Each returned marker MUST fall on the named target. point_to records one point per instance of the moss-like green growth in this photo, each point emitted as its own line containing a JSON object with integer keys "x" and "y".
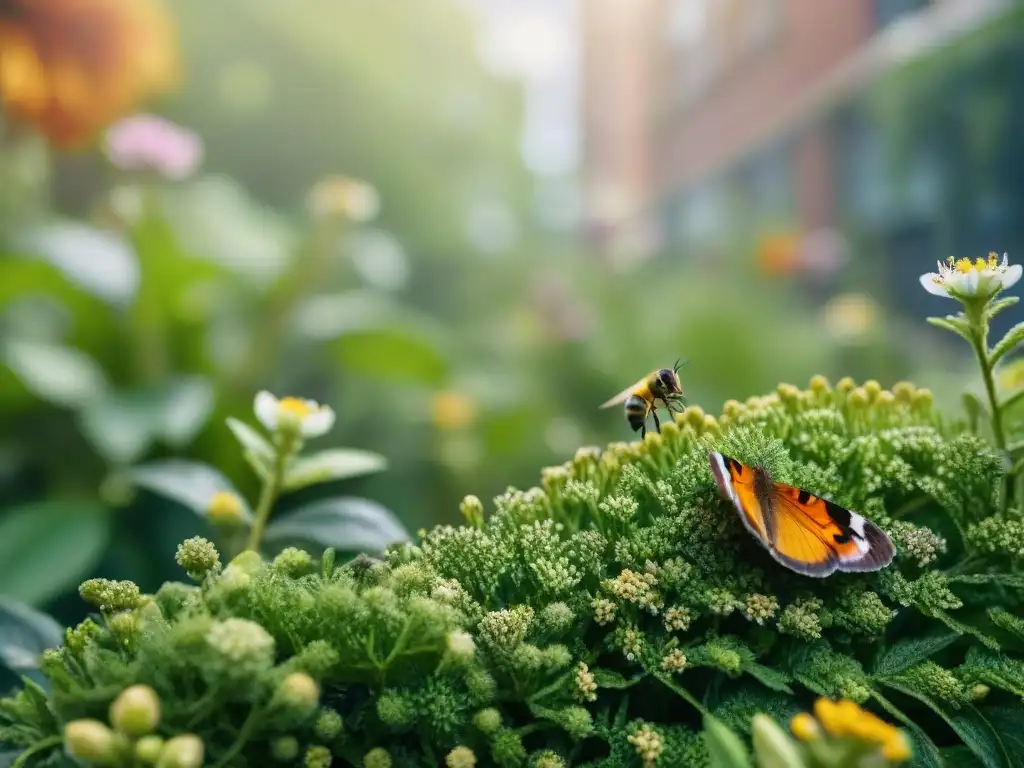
{"x": 595, "y": 619}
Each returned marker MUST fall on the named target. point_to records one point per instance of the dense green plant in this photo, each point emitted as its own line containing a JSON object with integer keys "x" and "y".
{"x": 595, "y": 619}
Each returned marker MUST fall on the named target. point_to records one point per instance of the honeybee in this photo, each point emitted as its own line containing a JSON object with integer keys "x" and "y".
{"x": 641, "y": 398}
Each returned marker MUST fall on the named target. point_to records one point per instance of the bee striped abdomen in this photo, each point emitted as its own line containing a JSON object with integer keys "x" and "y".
{"x": 636, "y": 411}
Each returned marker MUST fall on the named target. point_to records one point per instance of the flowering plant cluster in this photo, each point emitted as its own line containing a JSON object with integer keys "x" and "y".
{"x": 617, "y": 614}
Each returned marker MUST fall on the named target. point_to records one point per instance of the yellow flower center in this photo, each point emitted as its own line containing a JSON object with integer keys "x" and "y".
{"x": 978, "y": 265}
{"x": 804, "y": 727}
{"x": 294, "y": 406}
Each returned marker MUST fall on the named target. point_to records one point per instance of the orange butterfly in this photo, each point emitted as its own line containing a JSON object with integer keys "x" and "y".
{"x": 804, "y": 532}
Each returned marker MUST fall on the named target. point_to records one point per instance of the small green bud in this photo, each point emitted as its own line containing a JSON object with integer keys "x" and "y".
{"x": 711, "y": 424}
{"x": 460, "y": 645}
{"x": 233, "y": 579}
{"x": 136, "y": 711}
{"x": 819, "y": 384}
{"x": 395, "y": 708}
{"x": 923, "y": 398}
{"x": 110, "y": 595}
{"x": 249, "y": 562}
{"x": 185, "y": 751}
{"x": 328, "y": 725}
{"x": 225, "y": 510}
{"x": 548, "y": 759}
{"x": 845, "y": 384}
{"x": 885, "y": 398}
{"x": 473, "y": 510}
{"x": 317, "y": 756}
{"x": 241, "y": 641}
{"x": 460, "y": 757}
{"x": 377, "y": 757}
{"x": 872, "y": 387}
{"x": 92, "y": 741}
{"x": 285, "y": 749}
{"x": 859, "y": 398}
{"x": 979, "y": 691}
{"x": 293, "y": 562}
{"x": 507, "y": 748}
{"x": 557, "y": 617}
{"x": 487, "y": 720}
{"x": 774, "y": 747}
{"x": 148, "y": 749}
{"x": 198, "y": 557}
{"x": 299, "y": 692}
{"x": 124, "y": 626}
{"x": 904, "y": 391}
{"x": 788, "y": 393}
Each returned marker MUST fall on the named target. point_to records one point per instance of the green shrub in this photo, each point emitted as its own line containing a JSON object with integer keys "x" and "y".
{"x": 593, "y": 620}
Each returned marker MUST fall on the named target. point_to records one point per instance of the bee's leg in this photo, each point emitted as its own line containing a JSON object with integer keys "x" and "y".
{"x": 643, "y": 431}
{"x": 657, "y": 423}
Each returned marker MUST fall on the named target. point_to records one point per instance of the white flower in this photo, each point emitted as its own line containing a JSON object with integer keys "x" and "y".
{"x": 460, "y": 644}
{"x": 293, "y": 415}
{"x": 963, "y": 277}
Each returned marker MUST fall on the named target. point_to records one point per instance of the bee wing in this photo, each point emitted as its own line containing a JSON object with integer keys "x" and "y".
{"x": 621, "y": 397}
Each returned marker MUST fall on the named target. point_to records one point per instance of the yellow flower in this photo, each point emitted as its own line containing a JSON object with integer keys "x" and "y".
{"x": 71, "y": 67}
{"x": 845, "y": 719}
{"x": 804, "y": 727}
{"x": 225, "y": 508}
{"x": 452, "y": 411}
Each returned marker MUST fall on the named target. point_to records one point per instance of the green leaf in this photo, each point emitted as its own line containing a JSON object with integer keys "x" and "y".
{"x": 392, "y": 355}
{"x": 1009, "y": 724}
{"x": 96, "y": 260}
{"x": 926, "y": 753}
{"x": 768, "y": 677}
{"x": 957, "y": 325}
{"x": 1007, "y": 622}
{"x": 606, "y": 678}
{"x": 969, "y": 724}
{"x": 997, "y": 306}
{"x": 60, "y": 375}
{"x": 333, "y": 464}
{"x": 1008, "y": 343}
{"x": 725, "y": 749}
{"x": 186, "y": 408}
{"x": 773, "y": 747}
{"x": 906, "y": 653}
{"x": 1012, "y": 580}
{"x": 1012, "y": 400}
{"x": 189, "y": 483}
{"x": 257, "y": 451}
{"x": 47, "y": 547}
{"x": 24, "y": 634}
{"x": 346, "y": 523}
{"x": 965, "y": 629}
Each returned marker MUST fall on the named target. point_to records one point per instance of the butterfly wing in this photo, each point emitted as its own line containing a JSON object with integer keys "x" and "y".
{"x": 621, "y": 397}
{"x": 804, "y": 532}
{"x": 855, "y": 543}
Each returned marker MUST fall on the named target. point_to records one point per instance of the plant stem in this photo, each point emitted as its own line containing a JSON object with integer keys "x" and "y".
{"x": 271, "y": 488}
{"x": 979, "y": 342}
{"x": 35, "y": 749}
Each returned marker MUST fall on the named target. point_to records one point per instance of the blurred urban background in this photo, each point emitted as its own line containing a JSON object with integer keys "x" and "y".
{"x": 464, "y": 224}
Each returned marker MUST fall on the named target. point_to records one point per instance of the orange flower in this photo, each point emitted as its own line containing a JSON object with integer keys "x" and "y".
{"x": 71, "y": 67}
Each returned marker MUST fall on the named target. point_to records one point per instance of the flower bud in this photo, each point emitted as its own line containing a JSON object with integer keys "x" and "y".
{"x": 979, "y": 691}
{"x": 136, "y": 711}
{"x": 198, "y": 557}
{"x": 922, "y": 398}
{"x": 328, "y": 725}
{"x": 233, "y": 579}
{"x": 225, "y": 510}
{"x": 185, "y": 751}
{"x": 804, "y": 727}
{"x": 460, "y": 757}
{"x": 872, "y": 387}
{"x": 711, "y": 424}
{"x": 248, "y": 562}
{"x": 695, "y": 416}
{"x": 148, "y": 749}
{"x": 317, "y": 756}
{"x": 788, "y": 393}
{"x": 473, "y": 510}
{"x": 819, "y": 384}
{"x": 92, "y": 741}
{"x": 845, "y": 384}
{"x": 487, "y": 720}
{"x": 859, "y": 398}
{"x": 299, "y": 692}
{"x": 293, "y": 562}
{"x": 377, "y": 757}
{"x": 110, "y": 595}
{"x": 285, "y": 749}
{"x": 124, "y": 626}
{"x": 773, "y": 746}
{"x": 460, "y": 645}
{"x": 904, "y": 391}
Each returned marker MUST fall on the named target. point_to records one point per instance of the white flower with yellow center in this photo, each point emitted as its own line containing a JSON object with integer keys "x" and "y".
{"x": 293, "y": 415}
{"x": 969, "y": 279}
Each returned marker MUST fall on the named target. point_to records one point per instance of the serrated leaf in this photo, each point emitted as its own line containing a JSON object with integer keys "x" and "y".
{"x": 189, "y": 483}
{"x": 258, "y": 452}
{"x": 332, "y": 464}
{"x": 973, "y": 729}
{"x": 768, "y": 677}
{"x": 974, "y": 408}
{"x": 965, "y": 629}
{"x": 996, "y": 670}
{"x": 1008, "y": 343}
{"x": 906, "y": 653}
{"x": 606, "y": 678}
{"x": 345, "y": 523}
{"x": 47, "y": 547}
{"x": 1012, "y": 580}
{"x": 1007, "y": 622}
{"x": 954, "y": 324}
{"x": 1009, "y": 724}
{"x": 57, "y": 374}
{"x": 725, "y": 749}
{"x": 24, "y": 634}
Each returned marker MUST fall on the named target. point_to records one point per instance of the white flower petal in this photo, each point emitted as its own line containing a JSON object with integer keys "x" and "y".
{"x": 319, "y": 422}
{"x": 928, "y": 282}
{"x": 1012, "y": 274}
{"x": 265, "y": 408}
{"x": 1005, "y": 262}
{"x": 969, "y": 284}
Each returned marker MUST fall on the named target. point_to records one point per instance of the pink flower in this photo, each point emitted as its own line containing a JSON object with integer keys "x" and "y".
{"x": 149, "y": 142}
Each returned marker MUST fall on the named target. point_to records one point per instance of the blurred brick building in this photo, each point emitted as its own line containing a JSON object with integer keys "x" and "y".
{"x": 697, "y": 114}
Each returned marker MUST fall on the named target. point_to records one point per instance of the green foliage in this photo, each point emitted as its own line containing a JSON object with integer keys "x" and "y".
{"x": 597, "y": 619}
